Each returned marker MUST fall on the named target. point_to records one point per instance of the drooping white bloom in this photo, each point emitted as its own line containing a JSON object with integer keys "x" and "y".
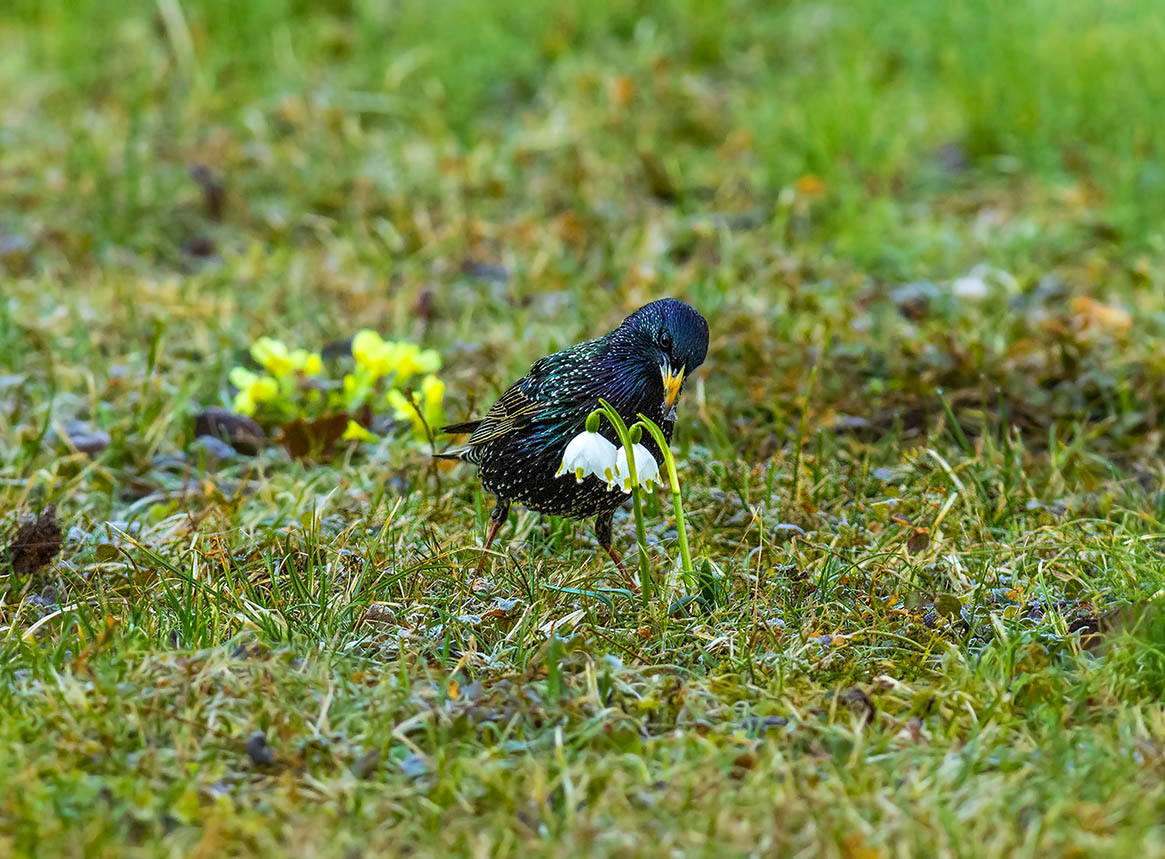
{"x": 646, "y": 468}
{"x": 589, "y": 453}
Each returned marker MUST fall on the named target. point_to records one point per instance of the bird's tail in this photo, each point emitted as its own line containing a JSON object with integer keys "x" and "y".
{"x": 464, "y": 453}
{"x": 460, "y": 429}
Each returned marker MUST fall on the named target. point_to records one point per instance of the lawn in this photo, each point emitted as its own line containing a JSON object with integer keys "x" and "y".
{"x": 921, "y": 466}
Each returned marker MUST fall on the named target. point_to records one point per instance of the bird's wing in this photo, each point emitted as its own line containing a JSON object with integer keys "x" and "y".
{"x": 517, "y": 407}
{"x": 561, "y": 389}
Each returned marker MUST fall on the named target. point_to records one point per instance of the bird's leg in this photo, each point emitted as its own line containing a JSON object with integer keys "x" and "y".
{"x": 497, "y": 519}
{"x": 603, "y": 532}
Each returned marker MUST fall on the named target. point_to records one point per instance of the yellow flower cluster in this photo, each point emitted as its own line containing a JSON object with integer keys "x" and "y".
{"x": 399, "y": 359}
{"x": 281, "y": 364}
{"x": 278, "y": 391}
{"x": 253, "y": 390}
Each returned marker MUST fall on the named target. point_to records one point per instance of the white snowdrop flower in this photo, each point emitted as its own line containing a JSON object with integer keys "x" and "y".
{"x": 646, "y": 468}
{"x": 589, "y": 453}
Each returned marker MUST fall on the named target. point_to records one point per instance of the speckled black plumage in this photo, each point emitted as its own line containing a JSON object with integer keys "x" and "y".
{"x": 519, "y": 443}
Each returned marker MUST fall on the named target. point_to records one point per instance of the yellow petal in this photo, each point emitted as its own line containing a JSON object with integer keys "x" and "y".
{"x": 242, "y": 378}
{"x": 272, "y": 355}
{"x": 367, "y": 347}
{"x": 402, "y": 410}
{"x": 404, "y": 361}
{"x": 244, "y": 404}
{"x": 355, "y": 432}
{"x": 264, "y": 390}
{"x": 433, "y": 390}
{"x": 428, "y": 361}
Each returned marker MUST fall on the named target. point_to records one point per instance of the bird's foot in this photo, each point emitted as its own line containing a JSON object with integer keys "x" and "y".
{"x": 618, "y": 559}
{"x": 497, "y": 519}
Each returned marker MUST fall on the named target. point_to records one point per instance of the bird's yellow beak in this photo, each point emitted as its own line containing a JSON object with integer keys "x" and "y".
{"x": 673, "y": 380}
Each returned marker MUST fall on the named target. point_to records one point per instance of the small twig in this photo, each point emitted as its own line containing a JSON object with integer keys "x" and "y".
{"x": 410, "y": 395}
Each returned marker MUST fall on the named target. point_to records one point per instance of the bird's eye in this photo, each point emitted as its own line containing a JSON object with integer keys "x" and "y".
{"x": 665, "y": 339}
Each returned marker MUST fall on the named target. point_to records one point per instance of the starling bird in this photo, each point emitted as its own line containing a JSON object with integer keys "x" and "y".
{"x": 639, "y": 367}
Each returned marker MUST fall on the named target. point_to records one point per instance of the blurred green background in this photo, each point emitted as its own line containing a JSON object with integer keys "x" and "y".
{"x": 894, "y": 107}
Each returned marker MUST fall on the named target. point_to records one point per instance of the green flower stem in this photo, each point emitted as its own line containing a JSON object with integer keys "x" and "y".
{"x": 645, "y": 583}
{"x": 676, "y": 496}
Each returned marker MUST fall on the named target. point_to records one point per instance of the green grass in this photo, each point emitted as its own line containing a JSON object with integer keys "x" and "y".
{"x": 911, "y": 537}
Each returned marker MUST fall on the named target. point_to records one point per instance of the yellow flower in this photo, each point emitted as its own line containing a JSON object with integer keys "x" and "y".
{"x": 275, "y": 358}
{"x": 265, "y": 390}
{"x": 272, "y": 356}
{"x": 371, "y": 352}
{"x": 355, "y": 432}
{"x": 401, "y": 359}
{"x": 308, "y": 363}
{"x": 253, "y": 390}
{"x": 427, "y": 400}
{"x": 413, "y": 361}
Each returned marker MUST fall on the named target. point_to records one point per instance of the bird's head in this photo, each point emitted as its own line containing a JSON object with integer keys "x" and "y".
{"x": 672, "y": 336}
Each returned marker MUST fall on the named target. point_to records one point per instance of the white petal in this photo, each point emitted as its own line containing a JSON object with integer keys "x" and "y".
{"x": 587, "y": 453}
{"x": 622, "y": 475}
{"x": 646, "y": 468}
